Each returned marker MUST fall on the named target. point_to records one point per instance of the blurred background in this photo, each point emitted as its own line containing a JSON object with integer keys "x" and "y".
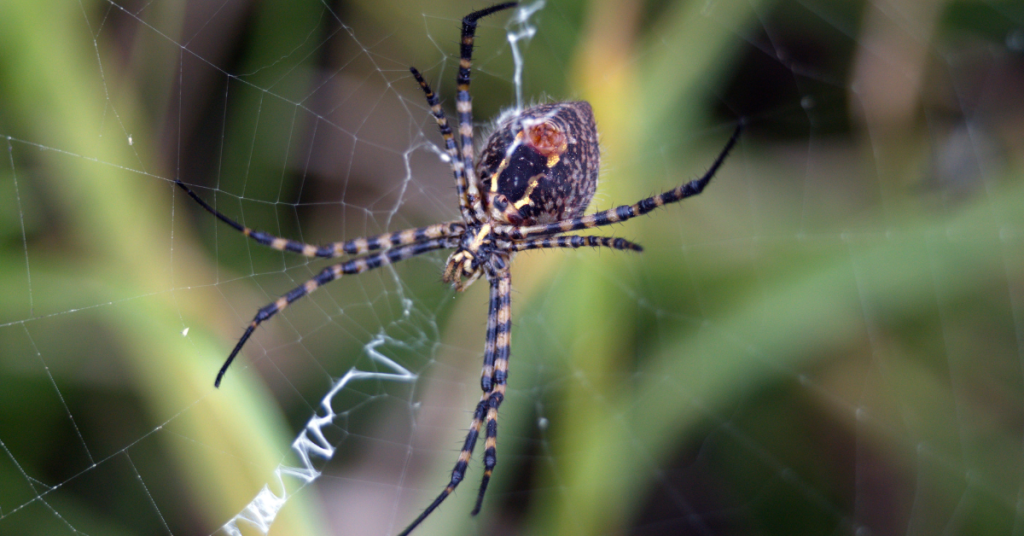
{"x": 829, "y": 340}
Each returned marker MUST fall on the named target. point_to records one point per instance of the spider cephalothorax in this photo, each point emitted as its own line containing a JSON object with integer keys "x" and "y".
{"x": 531, "y": 185}
{"x": 479, "y": 252}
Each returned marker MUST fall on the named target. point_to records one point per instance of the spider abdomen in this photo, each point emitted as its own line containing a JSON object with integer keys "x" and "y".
{"x": 540, "y": 165}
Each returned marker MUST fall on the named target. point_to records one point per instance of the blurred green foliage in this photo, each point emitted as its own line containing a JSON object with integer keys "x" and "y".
{"x": 828, "y": 339}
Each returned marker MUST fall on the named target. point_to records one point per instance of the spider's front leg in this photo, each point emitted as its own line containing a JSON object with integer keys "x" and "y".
{"x": 493, "y": 377}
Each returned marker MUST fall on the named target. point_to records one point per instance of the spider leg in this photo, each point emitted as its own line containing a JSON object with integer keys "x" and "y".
{"x": 464, "y": 104}
{"x": 335, "y": 249}
{"x": 458, "y": 166}
{"x": 496, "y": 393}
{"x": 575, "y": 241}
{"x": 460, "y": 467}
{"x": 354, "y": 266}
{"x": 495, "y": 359}
{"x": 625, "y": 212}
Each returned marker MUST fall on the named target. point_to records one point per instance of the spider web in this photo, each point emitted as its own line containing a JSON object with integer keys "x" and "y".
{"x": 829, "y": 340}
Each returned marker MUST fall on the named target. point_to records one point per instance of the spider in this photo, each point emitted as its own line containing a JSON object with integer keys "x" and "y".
{"x": 532, "y": 183}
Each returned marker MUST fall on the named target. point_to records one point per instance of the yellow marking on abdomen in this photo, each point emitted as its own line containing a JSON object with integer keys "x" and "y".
{"x": 526, "y": 200}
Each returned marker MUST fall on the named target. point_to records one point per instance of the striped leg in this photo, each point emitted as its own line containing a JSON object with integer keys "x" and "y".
{"x": 497, "y": 335}
{"x": 458, "y": 167}
{"x": 625, "y": 212}
{"x": 336, "y": 249}
{"x": 459, "y": 472}
{"x": 464, "y": 104}
{"x": 503, "y": 344}
{"x": 575, "y": 241}
{"x": 354, "y": 266}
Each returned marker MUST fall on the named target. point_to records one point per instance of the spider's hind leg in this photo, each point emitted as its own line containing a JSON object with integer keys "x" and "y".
{"x": 464, "y": 104}
{"x": 458, "y": 167}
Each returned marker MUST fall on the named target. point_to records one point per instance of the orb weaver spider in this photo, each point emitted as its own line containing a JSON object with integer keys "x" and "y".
{"x": 534, "y": 179}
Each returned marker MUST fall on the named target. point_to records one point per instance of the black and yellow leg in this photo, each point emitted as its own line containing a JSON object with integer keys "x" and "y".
{"x": 336, "y": 249}
{"x": 464, "y": 104}
{"x": 503, "y": 345}
{"x": 459, "y": 472}
{"x": 493, "y": 358}
{"x": 625, "y": 212}
{"x": 458, "y": 167}
{"x": 354, "y": 266}
{"x": 575, "y": 241}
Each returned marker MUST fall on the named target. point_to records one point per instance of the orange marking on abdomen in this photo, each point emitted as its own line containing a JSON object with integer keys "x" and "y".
{"x": 547, "y": 139}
